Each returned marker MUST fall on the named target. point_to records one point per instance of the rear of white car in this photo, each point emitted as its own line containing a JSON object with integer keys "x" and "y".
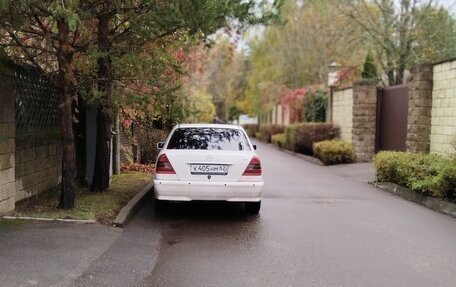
{"x": 209, "y": 162}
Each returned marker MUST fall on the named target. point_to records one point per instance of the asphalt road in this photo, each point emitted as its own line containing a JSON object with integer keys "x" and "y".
{"x": 318, "y": 226}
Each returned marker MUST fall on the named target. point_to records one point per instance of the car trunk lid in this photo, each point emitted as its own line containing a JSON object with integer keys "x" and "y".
{"x": 204, "y": 165}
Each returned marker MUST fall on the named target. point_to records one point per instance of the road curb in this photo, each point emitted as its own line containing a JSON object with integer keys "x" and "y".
{"x": 64, "y": 220}
{"x": 307, "y": 158}
{"x": 435, "y": 204}
{"x": 132, "y": 206}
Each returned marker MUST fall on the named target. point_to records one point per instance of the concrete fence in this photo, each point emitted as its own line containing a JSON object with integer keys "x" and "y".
{"x": 30, "y": 161}
{"x": 278, "y": 115}
{"x": 431, "y": 120}
{"x": 7, "y": 144}
{"x": 343, "y": 112}
{"x": 355, "y": 111}
{"x": 443, "y": 112}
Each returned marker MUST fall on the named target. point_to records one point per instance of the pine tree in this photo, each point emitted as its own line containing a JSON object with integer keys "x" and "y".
{"x": 369, "y": 69}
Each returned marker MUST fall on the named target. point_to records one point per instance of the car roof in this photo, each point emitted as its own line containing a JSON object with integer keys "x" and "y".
{"x": 221, "y": 126}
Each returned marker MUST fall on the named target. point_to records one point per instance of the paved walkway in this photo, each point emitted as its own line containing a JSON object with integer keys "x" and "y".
{"x": 50, "y": 254}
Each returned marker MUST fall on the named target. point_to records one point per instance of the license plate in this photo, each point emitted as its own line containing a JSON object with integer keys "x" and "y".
{"x": 209, "y": 169}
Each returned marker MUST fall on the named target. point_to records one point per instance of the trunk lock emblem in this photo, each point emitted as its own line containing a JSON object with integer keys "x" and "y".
{"x": 208, "y": 177}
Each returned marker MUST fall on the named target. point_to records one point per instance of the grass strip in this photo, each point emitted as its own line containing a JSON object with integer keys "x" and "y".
{"x": 102, "y": 207}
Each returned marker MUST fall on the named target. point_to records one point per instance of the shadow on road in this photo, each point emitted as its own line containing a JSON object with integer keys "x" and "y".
{"x": 205, "y": 211}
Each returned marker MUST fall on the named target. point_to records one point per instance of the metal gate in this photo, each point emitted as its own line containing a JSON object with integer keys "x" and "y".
{"x": 392, "y": 112}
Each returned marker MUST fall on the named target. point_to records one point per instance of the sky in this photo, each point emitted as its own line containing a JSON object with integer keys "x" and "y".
{"x": 450, "y": 5}
{"x": 242, "y": 41}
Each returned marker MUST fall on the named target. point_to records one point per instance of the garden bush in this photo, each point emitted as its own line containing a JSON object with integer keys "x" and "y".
{"x": 278, "y": 140}
{"x": 334, "y": 152}
{"x": 315, "y": 105}
{"x": 251, "y": 129}
{"x": 267, "y": 131}
{"x": 301, "y": 137}
{"x": 444, "y": 184}
{"x": 428, "y": 174}
{"x": 291, "y": 136}
{"x": 148, "y": 139}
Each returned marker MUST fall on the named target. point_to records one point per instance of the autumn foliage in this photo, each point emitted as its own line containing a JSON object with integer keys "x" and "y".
{"x": 294, "y": 102}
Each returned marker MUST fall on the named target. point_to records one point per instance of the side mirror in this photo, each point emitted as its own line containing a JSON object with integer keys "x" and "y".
{"x": 160, "y": 145}
{"x": 254, "y": 146}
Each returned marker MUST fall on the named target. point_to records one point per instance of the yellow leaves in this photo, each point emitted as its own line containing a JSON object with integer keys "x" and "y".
{"x": 201, "y": 108}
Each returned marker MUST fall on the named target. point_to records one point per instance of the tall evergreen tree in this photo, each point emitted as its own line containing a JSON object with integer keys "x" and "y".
{"x": 369, "y": 68}
{"x": 124, "y": 27}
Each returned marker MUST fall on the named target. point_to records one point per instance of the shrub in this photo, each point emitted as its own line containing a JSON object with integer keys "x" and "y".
{"x": 251, "y": 129}
{"x": 301, "y": 137}
{"x": 311, "y": 133}
{"x": 334, "y": 152}
{"x": 278, "y": 140}
{"x": 315, "y": 105}
{"x": 267, "y": 131}
{"x": 444, "y": 184}
{"x": 291, "y": 136}
{"x": 429, "y": 174}
{"x": 148, "y": 139}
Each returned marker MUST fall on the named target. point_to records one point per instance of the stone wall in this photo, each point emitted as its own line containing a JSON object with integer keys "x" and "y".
{"x": 343, "y": 112}
{"x": 443, "y": 122}
{"x": 419, "y": 109}
{"x": 364, "y": 119}
{"x": 355, "y": 111}
{"x": 38, "y": 163}
{"x": 7, "y": 144}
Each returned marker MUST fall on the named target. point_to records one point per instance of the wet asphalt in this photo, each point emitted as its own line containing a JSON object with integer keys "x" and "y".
{"x": 318, "y": 226}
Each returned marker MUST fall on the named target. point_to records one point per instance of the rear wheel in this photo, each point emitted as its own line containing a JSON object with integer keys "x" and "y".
{"x": 252, "y": 207}
{"x": 160, "y": 205}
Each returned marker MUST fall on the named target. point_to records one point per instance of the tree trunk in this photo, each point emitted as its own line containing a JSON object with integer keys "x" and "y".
{"x": 100, "y": 180}
{"x": 390, "y": 67}
{"x": 64, "y": 84}
{"x": 80, "y": 140}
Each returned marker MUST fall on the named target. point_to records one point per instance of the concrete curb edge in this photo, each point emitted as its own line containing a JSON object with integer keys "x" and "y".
{"x": 132, "y": 206}
{"x": 435, "y": 204}
{"x": 307, "y": 158}
{"x": 64, "y": 220}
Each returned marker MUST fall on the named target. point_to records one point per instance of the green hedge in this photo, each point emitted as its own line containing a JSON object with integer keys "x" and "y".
{"x": 301, "y": 137}
{"x": 278, "y": 140}
{"x": 291, "y": 136}
{"x": 429, "y": 174}
{"x": 251, "y": 129}
{"x": 334, "y": 152}
{"x": 315, "y": 105}
{"x": 267, "y": 131}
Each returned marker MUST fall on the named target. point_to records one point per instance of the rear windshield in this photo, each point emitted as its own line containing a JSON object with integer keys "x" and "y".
{"x": 208, "y": 139}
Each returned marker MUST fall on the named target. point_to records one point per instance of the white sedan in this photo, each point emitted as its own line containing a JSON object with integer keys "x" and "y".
{"x": 208, "y": 162}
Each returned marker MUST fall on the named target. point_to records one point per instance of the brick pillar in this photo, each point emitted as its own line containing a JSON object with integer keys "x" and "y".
{"x": 7, "y": 142}
{"x": 419, "y": 110}
{"x": 364, "y": 119}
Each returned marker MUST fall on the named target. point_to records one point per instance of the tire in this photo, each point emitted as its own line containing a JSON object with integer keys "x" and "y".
{"x": 252, "y": 207}
{"x": 160, "y": 205}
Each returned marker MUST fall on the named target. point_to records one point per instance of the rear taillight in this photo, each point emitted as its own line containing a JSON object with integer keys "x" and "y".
{"x": 254, "y": 167}
{"x": 164, "y": 165}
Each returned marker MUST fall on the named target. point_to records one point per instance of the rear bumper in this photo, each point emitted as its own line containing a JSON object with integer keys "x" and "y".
{"x": 175, "y": 190}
